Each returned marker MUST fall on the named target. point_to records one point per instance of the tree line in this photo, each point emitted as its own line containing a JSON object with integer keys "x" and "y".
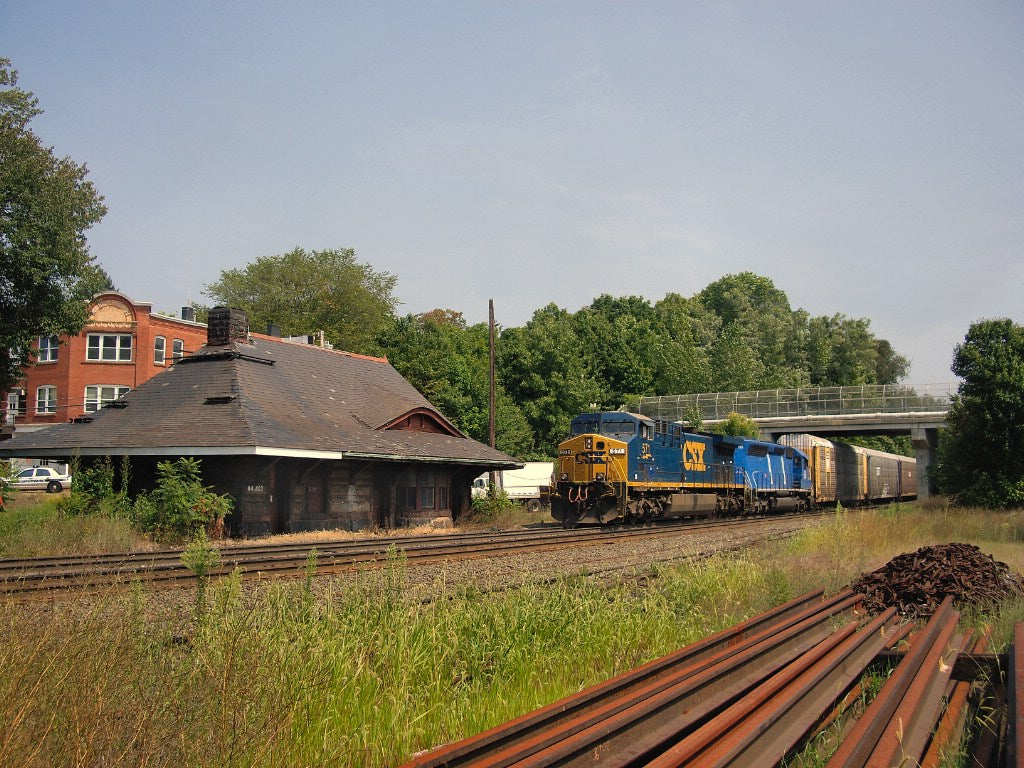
{"x": 738, "y": 333}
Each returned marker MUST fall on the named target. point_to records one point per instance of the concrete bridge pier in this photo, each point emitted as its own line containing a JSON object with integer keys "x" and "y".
{"x": 925, "y": 441}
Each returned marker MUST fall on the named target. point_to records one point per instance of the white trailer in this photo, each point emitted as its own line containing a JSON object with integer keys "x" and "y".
{"x": 530, "y": 485}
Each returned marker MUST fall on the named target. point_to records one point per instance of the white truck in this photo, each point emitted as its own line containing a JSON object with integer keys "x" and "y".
{"x": 530, "y": 485}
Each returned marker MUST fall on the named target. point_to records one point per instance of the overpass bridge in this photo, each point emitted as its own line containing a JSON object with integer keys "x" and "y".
{"x": 869, "y": 409}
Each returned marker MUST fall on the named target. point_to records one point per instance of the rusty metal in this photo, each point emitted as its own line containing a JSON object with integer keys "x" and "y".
{"x": 1015, "y": 699}
{"x": 887, "y": 728}
{"x": 754, "y": 694}
{"x": 915, "y": 583}
{"x": 951, "y": 726}
{"x": 763, "y": 726}
{"x": 724, "y": 665}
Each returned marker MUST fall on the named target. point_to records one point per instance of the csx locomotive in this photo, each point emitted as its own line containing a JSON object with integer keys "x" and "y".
{"x": 624, "y": 467}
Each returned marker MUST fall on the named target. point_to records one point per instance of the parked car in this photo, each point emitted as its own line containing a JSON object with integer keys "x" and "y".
{"x": 39, "y": 479}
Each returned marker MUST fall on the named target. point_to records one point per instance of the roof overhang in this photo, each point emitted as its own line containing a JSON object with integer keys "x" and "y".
{"x": 249, "y": 450}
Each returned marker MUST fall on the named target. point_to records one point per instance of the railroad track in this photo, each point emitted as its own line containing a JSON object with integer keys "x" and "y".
{"x": 42, "y": 575}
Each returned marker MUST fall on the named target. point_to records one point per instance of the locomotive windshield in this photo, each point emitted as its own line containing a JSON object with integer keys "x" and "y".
{"x": 584, "y": 426}
{"x": 618, "y": 428}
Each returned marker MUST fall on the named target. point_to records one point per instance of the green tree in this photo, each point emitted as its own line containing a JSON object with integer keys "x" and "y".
{"x": 448, "y": 362}
{"x": 737, "y": 425}
{"x": 544, "y": 369}
{"x": 307, "y": 292}
{"x": 982, "y": 451}
{"x": 757, "y": 315}
{"x": 46, "y": 205}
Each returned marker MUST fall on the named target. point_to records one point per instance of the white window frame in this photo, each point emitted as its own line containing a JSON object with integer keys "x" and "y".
{"x": 160, "y": 350}
{"x": 177, "y": 349}
{"x": 109, "y": 347}
{"x": 49, "y": 347}
{"x": 46, "y": 400}
{"x": 99, "y": 395}
{"x": 14, "y": 406}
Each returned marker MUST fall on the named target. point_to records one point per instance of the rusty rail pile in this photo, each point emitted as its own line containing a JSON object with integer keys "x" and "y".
{"x": 917, "y": 582}
{"x": 767, "y": 688}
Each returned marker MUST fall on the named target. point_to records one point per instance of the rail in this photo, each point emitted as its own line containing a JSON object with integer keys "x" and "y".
{"x": 803, "y": 401}
{"x": 767, "y": 688}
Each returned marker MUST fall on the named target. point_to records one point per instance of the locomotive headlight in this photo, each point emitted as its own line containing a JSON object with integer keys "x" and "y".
{"x": 588, "y": 443}
{"x": 564, "y": 476}
{"x": 599, "y": 476}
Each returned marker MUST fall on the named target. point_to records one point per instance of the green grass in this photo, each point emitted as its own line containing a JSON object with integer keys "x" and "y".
{"x": 364, "y": 673}
{"x": 32, "y": 526}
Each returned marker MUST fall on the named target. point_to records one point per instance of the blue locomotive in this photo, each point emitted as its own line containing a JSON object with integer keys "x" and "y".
{"x": 623, "y": 467}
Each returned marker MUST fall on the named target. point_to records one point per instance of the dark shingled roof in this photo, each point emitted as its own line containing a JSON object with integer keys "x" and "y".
{"x": 270, "y": 397}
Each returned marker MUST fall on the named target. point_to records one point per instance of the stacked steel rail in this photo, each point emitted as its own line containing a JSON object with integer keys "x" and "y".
{"x": 752, "y": 695}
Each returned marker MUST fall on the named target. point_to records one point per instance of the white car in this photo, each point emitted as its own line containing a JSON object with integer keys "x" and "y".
{"x": 41, "y": 478}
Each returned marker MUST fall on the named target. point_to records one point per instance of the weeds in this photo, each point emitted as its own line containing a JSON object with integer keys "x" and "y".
{"x": 362, "y": 672}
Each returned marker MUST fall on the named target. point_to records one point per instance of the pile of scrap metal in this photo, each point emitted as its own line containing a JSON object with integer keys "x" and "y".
{"x": 916, "y": 583}
{"x": 786, "y": 682}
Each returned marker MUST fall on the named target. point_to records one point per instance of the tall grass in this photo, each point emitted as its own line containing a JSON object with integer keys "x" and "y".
{"x": 31, "y": 525}
{"x": 363, "y": 672}
{"x": 362, "y": 675}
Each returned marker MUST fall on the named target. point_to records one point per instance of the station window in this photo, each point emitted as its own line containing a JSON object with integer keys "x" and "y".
{"x": 426, "y": 489}
{"x": 99, "y": 395}
{"x": 111, "y": 347}
{"x": 159, "y": 350}
{"x": 46, "y": 400}
{"x": 48, "y": 346}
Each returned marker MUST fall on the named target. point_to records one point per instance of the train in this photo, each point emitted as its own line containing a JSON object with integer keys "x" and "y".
{"x": 620, "y": 467}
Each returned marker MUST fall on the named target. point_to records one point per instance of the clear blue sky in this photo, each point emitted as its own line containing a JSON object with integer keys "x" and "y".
{"x": 868, "y": 157}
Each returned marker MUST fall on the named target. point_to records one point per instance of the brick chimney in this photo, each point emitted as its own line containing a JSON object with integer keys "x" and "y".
{"x": 226, "y": 325}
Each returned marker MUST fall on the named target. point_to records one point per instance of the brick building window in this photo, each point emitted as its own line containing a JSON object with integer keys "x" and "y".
{"x": 178, "y": 349}
{"x": 99, "y": 395}
{"x": 16, "y": 406}
{"x": 46, "y": 400}
{"x": 159, "y": 350}
{"x": 110, "y": 347}
{"x": 48, "y": 349}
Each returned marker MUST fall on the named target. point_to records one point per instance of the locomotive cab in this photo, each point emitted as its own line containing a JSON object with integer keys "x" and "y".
{"x": 593, "y": 466}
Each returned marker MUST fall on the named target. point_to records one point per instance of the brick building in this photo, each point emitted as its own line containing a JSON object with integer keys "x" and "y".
{"x": 301, "y": 437}
{"x": 123, "y": 345}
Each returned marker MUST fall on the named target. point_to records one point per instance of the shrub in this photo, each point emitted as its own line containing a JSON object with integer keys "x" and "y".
{"x": 180, "y": 507}
{"x": 491, "y": 504}
{"x": 93, "y": 488}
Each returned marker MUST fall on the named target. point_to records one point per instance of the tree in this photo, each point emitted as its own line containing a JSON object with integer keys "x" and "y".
{"x": 737, "y": 425}
{"x": 448, "y": 362}
{"x": 543, "y": 368}
{"x": 307, "y": 292}
{"x": 47, "y": 275}
{"x": 981, "y": 458}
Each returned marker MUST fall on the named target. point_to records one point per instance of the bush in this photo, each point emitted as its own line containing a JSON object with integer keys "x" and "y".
{"x": 93, "y": 489}
{"x": 491, "y": 504}
{"x": 180, "y": 507}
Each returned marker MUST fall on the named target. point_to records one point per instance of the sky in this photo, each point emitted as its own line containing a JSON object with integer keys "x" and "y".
{"x": 867, "y": 157}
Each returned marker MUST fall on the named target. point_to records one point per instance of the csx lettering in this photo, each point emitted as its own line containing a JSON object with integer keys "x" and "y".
{"x": 693, "y": 456}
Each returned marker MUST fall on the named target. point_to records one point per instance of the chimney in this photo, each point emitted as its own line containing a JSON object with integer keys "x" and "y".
{"x": 273, "y": 329}
{"x": 188, "y": 313}
{"x": 226, "y": 325}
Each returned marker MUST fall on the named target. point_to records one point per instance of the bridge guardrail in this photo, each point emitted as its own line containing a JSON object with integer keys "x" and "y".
{"x": 803, "y": 401}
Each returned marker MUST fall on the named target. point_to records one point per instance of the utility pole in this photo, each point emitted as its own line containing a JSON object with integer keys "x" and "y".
{"x": 490, "y": 410}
